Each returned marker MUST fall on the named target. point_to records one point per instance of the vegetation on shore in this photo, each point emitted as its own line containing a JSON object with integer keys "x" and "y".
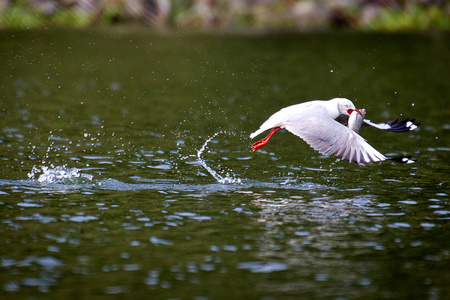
{"x": 302, "y": 15}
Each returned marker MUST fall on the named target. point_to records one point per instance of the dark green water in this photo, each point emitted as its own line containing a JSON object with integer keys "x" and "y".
{"x": 141, "y": 216}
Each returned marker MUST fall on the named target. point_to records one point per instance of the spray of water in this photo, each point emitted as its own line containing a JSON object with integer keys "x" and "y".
{"x": 60, "y": 174}
{"x": 228, "y": 179}
{"x": 49, "y": 173}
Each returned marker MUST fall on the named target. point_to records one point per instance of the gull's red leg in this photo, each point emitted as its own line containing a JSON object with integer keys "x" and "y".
{"x": 259, "y": 144}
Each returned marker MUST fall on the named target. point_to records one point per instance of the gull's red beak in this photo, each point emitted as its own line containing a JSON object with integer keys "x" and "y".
{"x": 351, "y": 110}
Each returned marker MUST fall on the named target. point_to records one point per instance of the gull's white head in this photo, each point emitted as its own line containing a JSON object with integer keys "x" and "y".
{"x": 345, "y": 106}
{"x": 339, "y": 106}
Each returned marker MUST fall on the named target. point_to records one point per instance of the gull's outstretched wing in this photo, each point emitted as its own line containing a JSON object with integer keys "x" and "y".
{"x": 328, "y": 137}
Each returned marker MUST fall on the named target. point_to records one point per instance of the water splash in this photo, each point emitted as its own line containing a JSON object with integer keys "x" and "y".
{"x": 228, "y": 179}
{"x": 60, "y": 174}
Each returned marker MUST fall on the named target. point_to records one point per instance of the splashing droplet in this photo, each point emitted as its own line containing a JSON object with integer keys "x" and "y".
{"x": 228, "y": 179}
{"x": 60, "y": 174}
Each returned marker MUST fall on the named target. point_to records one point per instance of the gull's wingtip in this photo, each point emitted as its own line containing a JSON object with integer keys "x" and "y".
{"x": 395, "y": 125}
{"x": 404, "y": 159}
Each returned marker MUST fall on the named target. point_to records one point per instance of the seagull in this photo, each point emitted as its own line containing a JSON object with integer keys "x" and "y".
{"x": 321, "y": 124}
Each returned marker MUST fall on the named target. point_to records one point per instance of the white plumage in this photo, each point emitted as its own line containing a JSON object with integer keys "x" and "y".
{"x": 315, "y": 123}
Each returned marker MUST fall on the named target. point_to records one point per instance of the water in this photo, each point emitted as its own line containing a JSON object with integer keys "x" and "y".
{"x": 221, "y": 179}
{"x": 126, "y": 167}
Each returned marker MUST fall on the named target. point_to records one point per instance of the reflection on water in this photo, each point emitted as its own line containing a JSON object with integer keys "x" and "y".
{"x": 141, "y": 183}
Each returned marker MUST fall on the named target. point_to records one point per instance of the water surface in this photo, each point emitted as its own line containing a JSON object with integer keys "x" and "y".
{"x": 126, "y": 167}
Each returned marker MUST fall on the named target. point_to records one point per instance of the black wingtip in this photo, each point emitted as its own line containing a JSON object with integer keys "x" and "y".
{"x": 402, "y": 126}
{"x": 404, "y": 159}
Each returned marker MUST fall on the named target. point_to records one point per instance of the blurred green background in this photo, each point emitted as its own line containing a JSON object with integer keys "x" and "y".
{"x": 302, "y": 15}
